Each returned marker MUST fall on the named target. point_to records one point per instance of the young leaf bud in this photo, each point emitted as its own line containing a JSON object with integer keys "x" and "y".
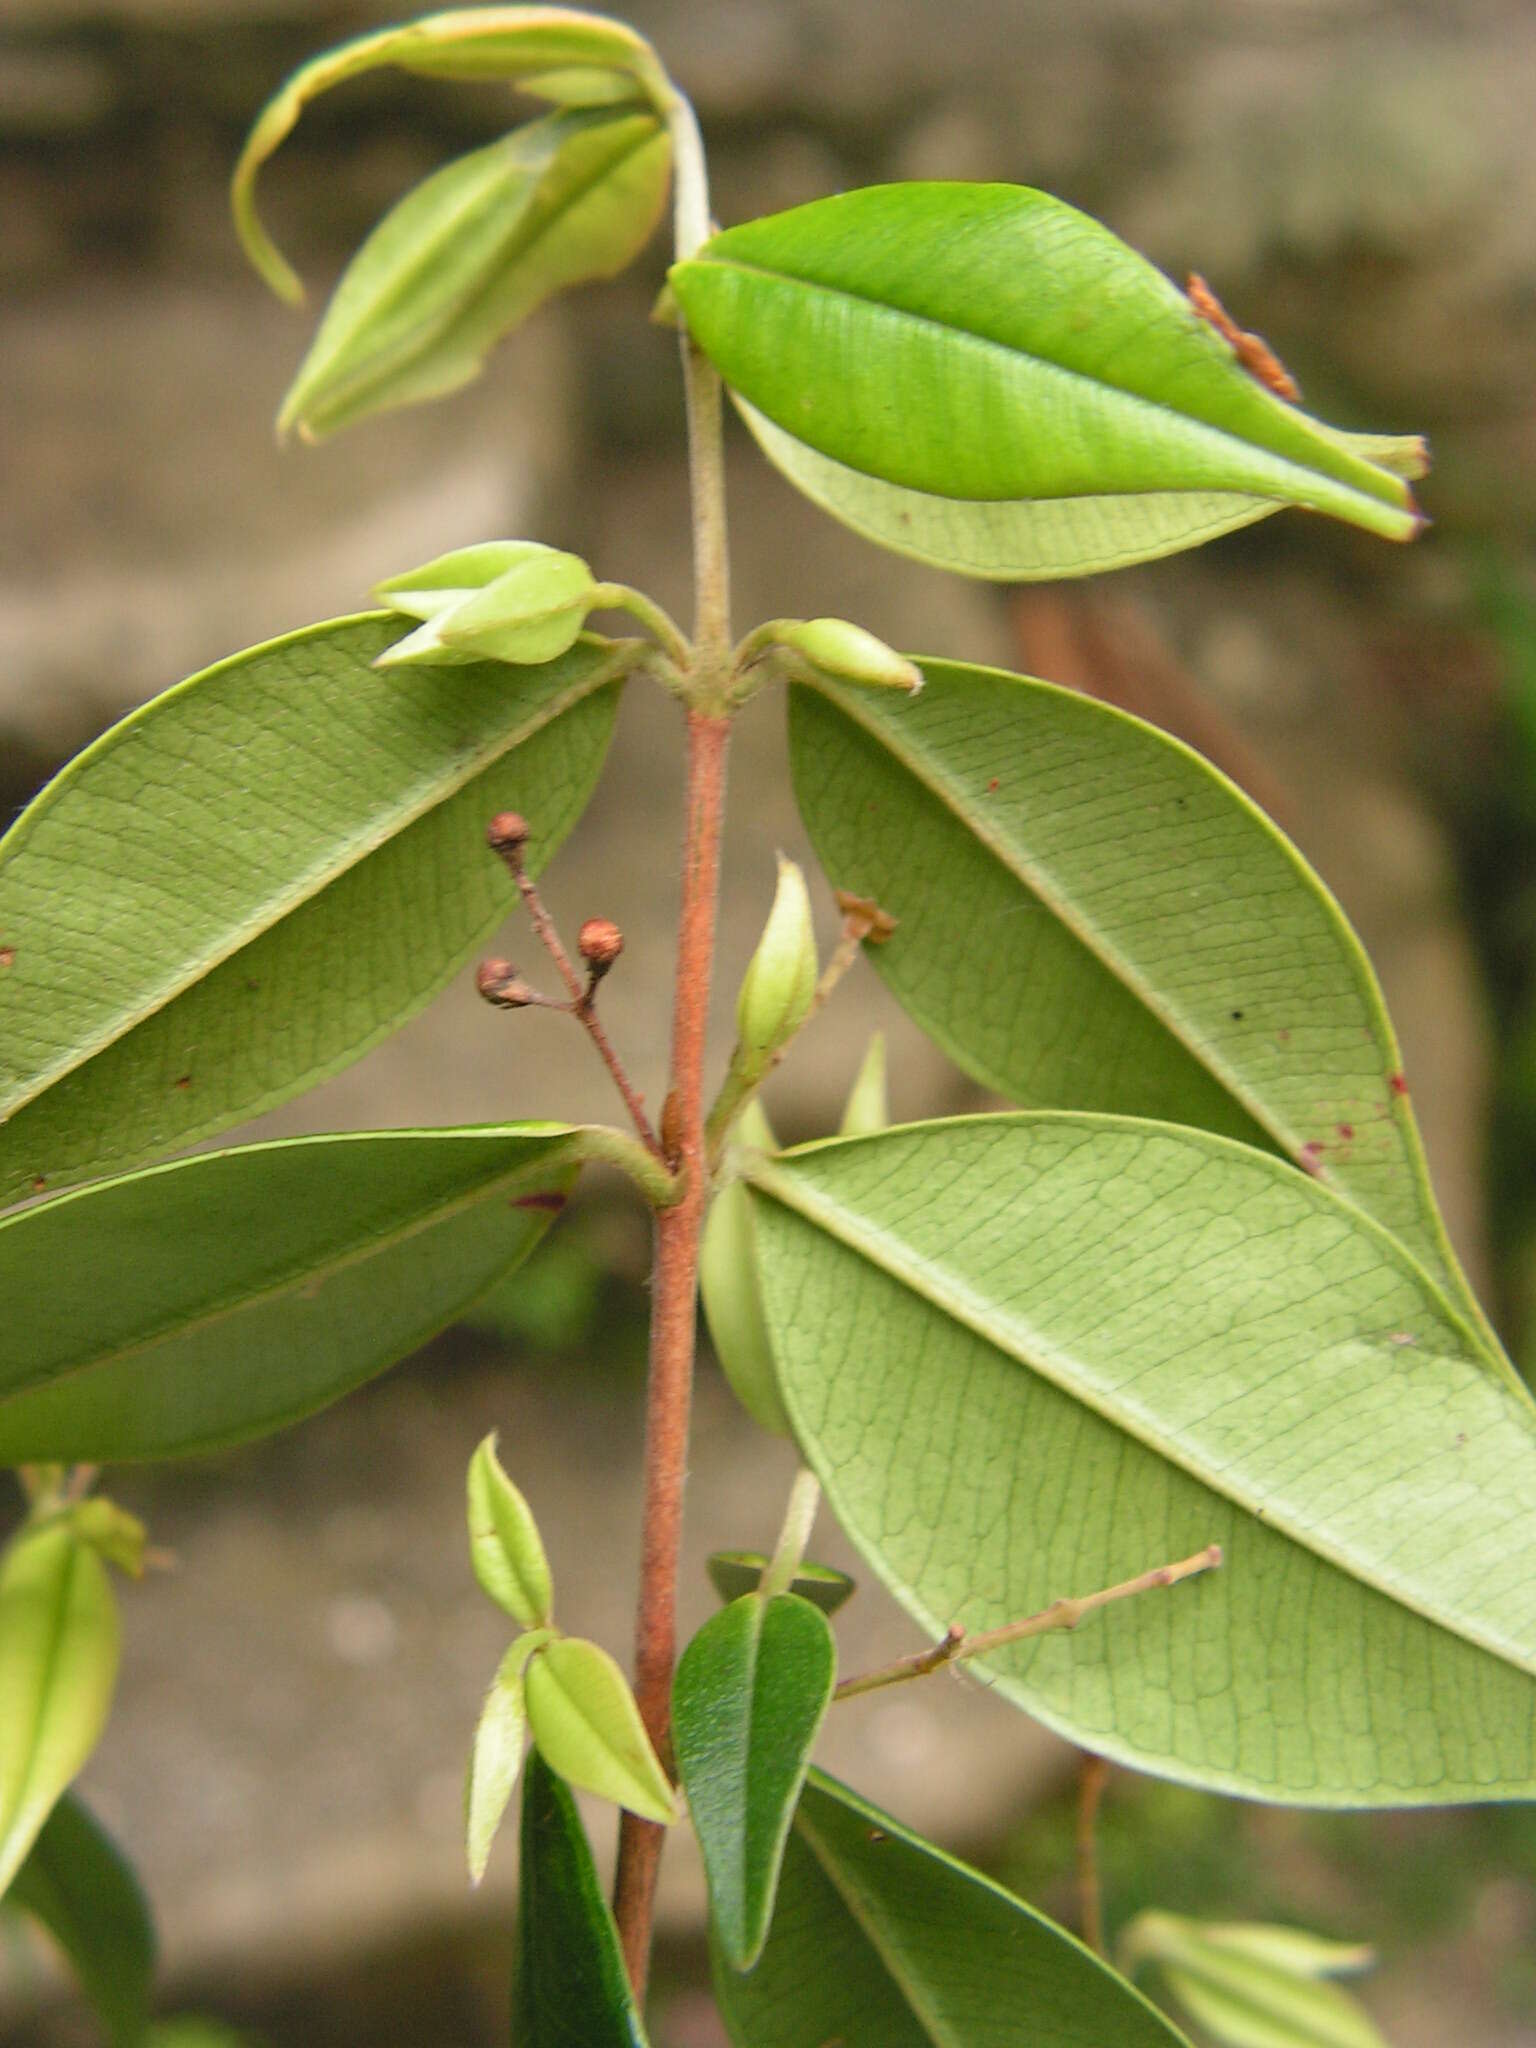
{"x": 507, "y": 833}
{"x": 733, "y": 1308}
{"x": 841, "y": 649}
{"x": 498, "y": 982}
{"x": 780, "y": 980}
{"x": 530, "y": 613}
{"x": 504, "y": 1544}
{"x": 599, "y": 942}
{"x": 437, "y": 586}
{"x": 583, "y": 1717}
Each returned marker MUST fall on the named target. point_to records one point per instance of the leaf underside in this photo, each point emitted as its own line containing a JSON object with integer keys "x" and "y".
{"x": 1034, "y": 1355}
{"x": 77, "y": 1884}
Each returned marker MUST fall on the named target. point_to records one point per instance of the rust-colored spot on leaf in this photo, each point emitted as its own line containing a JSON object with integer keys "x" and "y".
{"x": 1251, "y": 350}
{"x": 1398, "y": 1083}
{"x": 1345, "y": 1131}
{"x": 7, "y": 956}
{"x": 992, "y": 785}
{"x": 1310, "y": 1157}
{"x": 548, "y": 1198}
{"x": 182, "y": 1081}
{"x": 39, "y": 1182}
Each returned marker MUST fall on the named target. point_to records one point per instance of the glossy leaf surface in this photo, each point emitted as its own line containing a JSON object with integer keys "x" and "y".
{"x": 470, "y": 253}
{"x": 881, "y": 1940}
{"x": 260, "y": 874}
{"x": 59, "y": 1645}
{"x": 77, "y": 1884}
{"x": 748, "y": 1698}
{"x": 583, "y": 59}
{"x": 505, "y": 1547}
{"x": 584, "y": 1719}
{"x": 571, "y": 1989}
{"x": 1137, "y": 935}
{"x": 227, "y": 1295}
{"x": 1031, "y": 1356}
{"x": 987, "y": 343}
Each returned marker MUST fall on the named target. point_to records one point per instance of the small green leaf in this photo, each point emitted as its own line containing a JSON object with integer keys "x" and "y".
{"x": 571, "y": 1990}
{"x": 748, "y": 1699}
{"x": 733, "y": 1311}
{"x": 734, "y": 1572}
{"x": 497, "y": 1755}
{"x": 988, "y": 344}
{"x": 437, "y": 586}
{"x": 852, "y": 653}
{"x": 334, "y": 817}
{"x": 1096, "y": 966}
{"x": 868, "y": 1107}
{"x": 531, "y": 613}
{"x": 570, "y": 57}
{"x": 881, "y": 1940}
{"x": 470, "y": 253}
{"x": 59, "y": 1641}
{"x": 780, "y": 982}
{"x": 504, "y": 1543}
{"x": 588, "y": 1728}
{"x": 114, "y": 1534}
{"x": 1254, "y": 1987}
{"x": 227, "y": 1295}
{"x": 78, "y": 1885}
{"x": 1029, "y": 1356}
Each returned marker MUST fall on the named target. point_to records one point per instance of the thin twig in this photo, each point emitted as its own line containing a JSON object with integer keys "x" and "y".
{"x": 1061, "y": 1614}
{"x": 1092, "y": 1777}
{"x": 799, "y": 1520}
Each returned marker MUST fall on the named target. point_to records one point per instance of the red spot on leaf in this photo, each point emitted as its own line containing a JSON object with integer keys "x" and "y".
{"x": 1345, "y": 1131}
{"x": 182, "y": 1081}
{"x": 1284, "y": 1037}
{"x": 7, "y": 956}
{"x": 1310, "y": 1157}
{"x": 992, "y": 785}
{"x": 1398, "y": 1084}
{"x": 39, "y": 1182}
{"x": 550, "y": 1199}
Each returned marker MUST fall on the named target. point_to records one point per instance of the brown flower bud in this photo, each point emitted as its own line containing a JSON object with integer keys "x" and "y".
{"x": 507, "y": 833}
{"x": 498, "y": 982}
{"x": 600, "y": 942}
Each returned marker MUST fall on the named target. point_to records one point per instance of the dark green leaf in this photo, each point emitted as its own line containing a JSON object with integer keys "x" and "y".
{"x": 1137, "y": 936}
{"x": 570, "y": 57}
{"x": 749, "y": 1696}
{"x": 332, "y": 817}
{"x": 229, "y": 1294}
{"x": 987, "y": 345}
{"x": 77, "y": 1883}
{"x": 470, "y": 253}
{"x": 571, "y": 1990}
{"x": 59, "y": 1643}
{"x": 734, "y": 1572}
{"x": 1031, "y": 1356}
{"x": 881, "y": 1940}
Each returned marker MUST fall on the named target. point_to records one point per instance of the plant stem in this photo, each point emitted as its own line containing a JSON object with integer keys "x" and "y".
{"x": 1061, "y": 1614}
{"x": 1092, "y": 1777}
{"x": 674, "y": 1290}
{"x": 799, "y": 1517}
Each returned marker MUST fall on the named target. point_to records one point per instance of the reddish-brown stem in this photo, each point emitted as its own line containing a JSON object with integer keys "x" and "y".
{"x": 674, "y": 1288}
{"x": 1092, "y": 1777}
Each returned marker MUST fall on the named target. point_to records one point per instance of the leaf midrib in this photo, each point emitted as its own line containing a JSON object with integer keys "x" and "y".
{"x": 622, "y": 657}
{"x": 884, "y": 1251}
{"x": 1290, "y": 466}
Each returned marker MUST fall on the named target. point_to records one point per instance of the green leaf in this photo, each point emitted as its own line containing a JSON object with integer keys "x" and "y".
{"x": 868, "y": 1107}
{"x": 1137, "y": 935}
{"x": 468, "y": 254}
{"x": 749, "y": 1696}
{"x": 497, "y": 1754}
{"x": 333, "y": 817}
{"x": 1030, "y": 1356}
{"x": 728, "y": 1288}
{"x": 571, "y": 1989}
{"x": 78, "y": 1885}
{"x": 881, "y": 1940}
{"x": 734, "y": 1572}
{"x": 505, "y": 1547}
{"x": 227, "y": 1295}
{"x": 59, "y": 1642}
{"x": 988, "y": 344}
{"x": 588, "y": 1728}
{"x": 1255, "y": 1986}
{"x": 570, "y": 57}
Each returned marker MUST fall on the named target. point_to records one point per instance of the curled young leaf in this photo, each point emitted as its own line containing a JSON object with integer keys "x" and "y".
{"x": 504, "y": 1542}
{"x": 780, "y": 982}
{"x": 59, "y": 1642}
{"x": 987, "y": 346}
{"x": 468, "y": 254}
{"x": 852, "y": 653}
{"x": 497, "y": 1755}
{"x": 1255, "y": 1987}
{"x": 868, "y": 1107}
{"x": 728, "y": 1287}
{"x": 558, "y": 53}
{"x": 588, "y": 1728}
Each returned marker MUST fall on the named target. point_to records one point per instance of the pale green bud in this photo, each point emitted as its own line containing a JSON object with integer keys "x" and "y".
{"x": 780, "y": 981}
{"x": 504, "y": 1543}
{"x": 848, "y": 651}
{"x": 530, "y": 611}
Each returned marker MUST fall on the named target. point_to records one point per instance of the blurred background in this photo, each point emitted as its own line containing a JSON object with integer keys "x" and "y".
{"x": 1357, "y": 178}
